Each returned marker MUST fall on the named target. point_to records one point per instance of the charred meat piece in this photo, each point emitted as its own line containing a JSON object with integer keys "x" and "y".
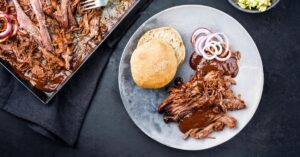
{"x": 26, "y": 23}
{"x": 45, "y": 36}
{"x": 71, "y": 18}
{"x": 63, "y": 14}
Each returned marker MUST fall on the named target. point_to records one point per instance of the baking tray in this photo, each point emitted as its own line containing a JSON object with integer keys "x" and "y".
{"x": 109, "y": 40}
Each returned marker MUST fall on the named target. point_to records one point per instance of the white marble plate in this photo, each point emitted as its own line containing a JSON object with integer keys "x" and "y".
{"x": 141, "y": 104}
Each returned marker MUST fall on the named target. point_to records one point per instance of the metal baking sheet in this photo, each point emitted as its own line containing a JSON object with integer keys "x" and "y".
{"x": 110, "y": 39}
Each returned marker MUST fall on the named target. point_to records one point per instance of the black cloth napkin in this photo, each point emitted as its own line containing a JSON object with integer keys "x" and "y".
{"x": 62, "y": 117}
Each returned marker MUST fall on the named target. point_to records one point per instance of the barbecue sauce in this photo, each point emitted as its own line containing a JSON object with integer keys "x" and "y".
{"x": 203, "y": 117}
{"x": 229, "y": 67}
{"x": 198, "y": 119}
{"x": 43, "y": 85}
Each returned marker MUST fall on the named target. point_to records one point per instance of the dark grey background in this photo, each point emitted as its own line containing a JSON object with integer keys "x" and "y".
{"x": 108, "y": 130}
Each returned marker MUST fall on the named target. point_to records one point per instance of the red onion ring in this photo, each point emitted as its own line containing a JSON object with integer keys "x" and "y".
{"x": 3, "y": 39}
{"x": 222, "y": 38}
{"x": 8, "y": 29}
{"x": 224, "y": 59}
{"x": 219, "y": 47}
{"x": 209, "y": 56}
{"x": 200, "y": 44}
{"x": 211, "y": 45}
{"x": 201, "y": 48}
{"x": 200, "y": 31}
{"x": 15, "y": 24}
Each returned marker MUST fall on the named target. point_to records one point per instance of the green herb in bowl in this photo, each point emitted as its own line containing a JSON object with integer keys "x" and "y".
{"x": 260, "y": 5}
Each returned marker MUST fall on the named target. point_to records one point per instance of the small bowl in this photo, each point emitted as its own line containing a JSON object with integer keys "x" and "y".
{"x": 233, "y": 3}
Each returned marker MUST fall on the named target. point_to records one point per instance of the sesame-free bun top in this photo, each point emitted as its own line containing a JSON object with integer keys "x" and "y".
{"x": 153, "y": 64}
{"x": 168, "y": 35}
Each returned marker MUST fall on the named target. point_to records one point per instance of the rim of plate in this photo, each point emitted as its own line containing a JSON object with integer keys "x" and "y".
{"x": 167, "y": 10}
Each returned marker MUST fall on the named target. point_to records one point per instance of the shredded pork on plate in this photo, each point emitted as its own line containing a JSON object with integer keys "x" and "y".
{"x": 207, "y": 93}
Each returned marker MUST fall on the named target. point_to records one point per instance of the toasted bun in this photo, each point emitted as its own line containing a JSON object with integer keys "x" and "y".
{"x": 153, "y": 64}
{"x": 168, "y": 35}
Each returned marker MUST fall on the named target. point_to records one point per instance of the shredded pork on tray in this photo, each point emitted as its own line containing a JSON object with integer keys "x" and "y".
{"x": 54, "y": 37}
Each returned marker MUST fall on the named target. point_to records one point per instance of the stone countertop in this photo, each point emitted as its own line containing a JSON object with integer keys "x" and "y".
{"x": 108, "y": 130}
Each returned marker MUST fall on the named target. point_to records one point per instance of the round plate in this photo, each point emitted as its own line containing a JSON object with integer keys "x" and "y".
{"x": 141, "y": 104}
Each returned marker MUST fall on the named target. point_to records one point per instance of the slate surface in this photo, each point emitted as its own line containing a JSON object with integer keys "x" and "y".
{"x": 108, "y": 130}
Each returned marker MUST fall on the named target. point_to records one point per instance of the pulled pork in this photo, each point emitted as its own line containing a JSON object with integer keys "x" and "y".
{"x": 55, "y": 36}
{"x": 201, "y": 104}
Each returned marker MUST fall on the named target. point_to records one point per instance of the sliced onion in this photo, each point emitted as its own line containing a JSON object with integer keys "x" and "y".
{"x": 3, "y": 39}
{"x": 211, "y": 45}
{"x": 15, "y": 24}
{"x": 219, "y": 47}
{"x": 198, "y": 33}
{"x": 8, "y": 29}
{"x": 200, "y": 44}
{"x": 224, "y": 59}
{"x": 217, "y": 37}
{"x": 209, "y": 56}
{"x": 226, "y": 42}
{"x": 221, "y": 37}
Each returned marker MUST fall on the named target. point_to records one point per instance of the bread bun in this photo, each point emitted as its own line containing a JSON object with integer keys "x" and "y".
{"x": 153, "y": 64}
{"x": 168, "y": 35}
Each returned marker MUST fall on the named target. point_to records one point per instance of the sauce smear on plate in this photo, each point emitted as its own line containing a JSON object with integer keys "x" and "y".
{"x": 199, "y": 119}
{"x": 229, "y": 67}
